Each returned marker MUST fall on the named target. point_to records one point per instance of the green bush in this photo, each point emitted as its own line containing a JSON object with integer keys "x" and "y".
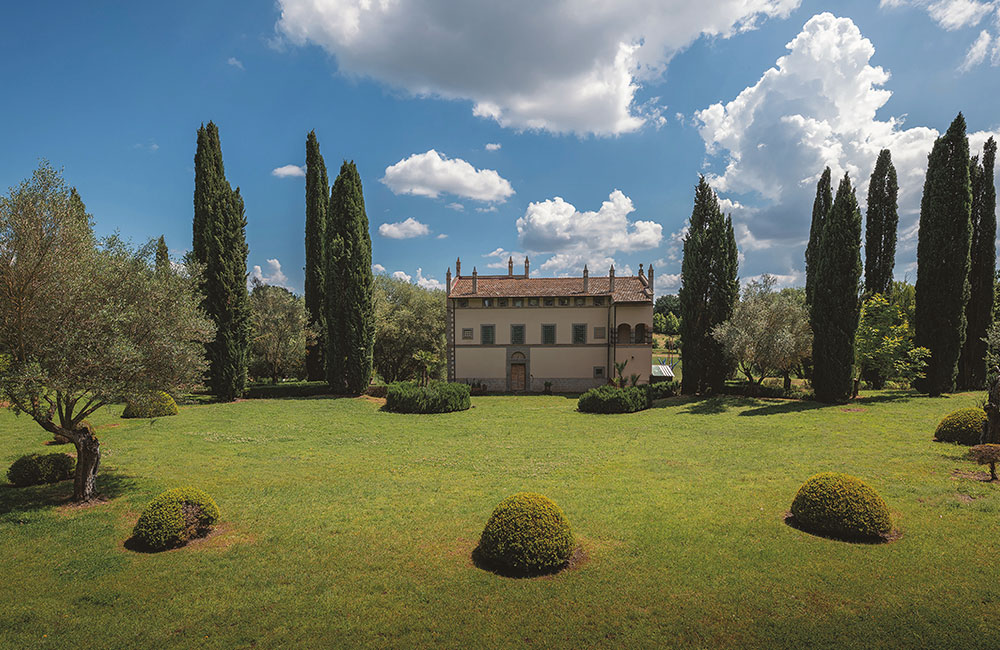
{"x": 153, "y": 405}
{"x": 662, "y": 389}
{"x": 527, "y": 534}
{"x": 287, "y": 389}
{"x": 436, "y": 397}
{"x": 174, "y": 518}
{"x": 612, "y": 399}
{"x": 376, "y": 390}
{"x": 964, "y": 426}
{"x": 842, "y": 506}
{"x": 35, "y": 469}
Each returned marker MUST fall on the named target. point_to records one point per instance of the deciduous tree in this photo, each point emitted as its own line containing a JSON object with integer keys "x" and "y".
{"x": 279, "y": 327}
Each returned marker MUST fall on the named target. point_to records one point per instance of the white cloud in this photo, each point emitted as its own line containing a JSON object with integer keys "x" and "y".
{"x": 574, "y": 237}
{"x": 954, "y": 14}
{"x": 491, "y": 208}
{"x": 571, "y": 66}
{"x": 378, "y": 268}
{"x": 273, "y": 276}
{"x": 492, "y": 146}
{"x": 288, "y": 171}
{"x": 977, "y": 52}
{"x": 502, "y": 255}
{"x": 431, "y": 174}
{"x": 457, "y": 207}
{"x": 407, "y": 229}
{"x": 428, "y": 283}
{"x": 236, "y": 63}
{"x": 399, "y": 275}
{"x": 442, "y": 236}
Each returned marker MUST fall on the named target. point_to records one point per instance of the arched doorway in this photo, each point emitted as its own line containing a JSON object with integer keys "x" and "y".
{"x": 518, "y": 372}
{"x": 624, "y": 333}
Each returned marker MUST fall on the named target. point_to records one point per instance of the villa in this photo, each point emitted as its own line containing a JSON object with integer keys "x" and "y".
{"x": 518, "y": 333}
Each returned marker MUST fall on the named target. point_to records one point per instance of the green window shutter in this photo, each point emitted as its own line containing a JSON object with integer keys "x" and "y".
{"x": 487, "y": 334}
{"x": 549, "y": 334}
{"x": 517, "y": 334}
{"x": 579, "y": 334}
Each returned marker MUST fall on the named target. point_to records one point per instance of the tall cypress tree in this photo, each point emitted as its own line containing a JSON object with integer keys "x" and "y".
{"x": 821, "y": 208}
{"x": 835, "y": 307}
{"x": 881, "y": 224}
{"x": 982, "y": 268}
{"x": 162, "y": 256}
{"x": 708, "y": 291}
{"x": 349, "y": 311}
{"x": 317, "y": 206}
{"x": 209, "y": 176}
{"x": 943, "y": 258}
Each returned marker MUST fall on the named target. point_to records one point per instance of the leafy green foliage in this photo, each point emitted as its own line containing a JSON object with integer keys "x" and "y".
{"x": 964, "y": 426}
{"x": 162, "y": 256}
{"x": 667, "y": 304}
{"x": 527, "y": 534}
{"x": 943, "y": 258}
{"x": 834, "y": 310}
{"x": 821, "y": 210}
{"x": 841, "y": 506}
{"x": 436, "y": 397}
{"x": 151, "y": 405}
{"x": 408, "y": 320}
{"x": 614, "y": 399}
{"x": 662, "y": 389}
{"x": 880, "y": 225}
{"x": 279, "y": 332}
{"x": 317, "y": 209}
{"x": 659, "y": 324}
{"x": 884, "y": 344}
{"x": 36, "y": 469}
{"x": 174, "y": 518}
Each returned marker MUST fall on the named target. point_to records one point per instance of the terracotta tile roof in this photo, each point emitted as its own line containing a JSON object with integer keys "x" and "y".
{"x": 627, "y": 289}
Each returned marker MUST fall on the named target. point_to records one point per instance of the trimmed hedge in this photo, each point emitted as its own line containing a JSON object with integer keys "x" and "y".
{"x": 287, "y": 389}
{"x": 174, "y": 518}
{"x": 612, "y": 399}
{"x": 840, "y": 505}
{"x": 436, "y": 397}
{"x": 662, "y": 389}
{"x": 36, "y": 469}
{"x": 964, "y": 426}
{"x": 153, "y": 405}
{"x": 527, "y": 534}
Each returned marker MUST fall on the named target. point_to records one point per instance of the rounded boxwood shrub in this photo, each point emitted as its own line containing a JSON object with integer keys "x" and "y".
{"x": 614, "y": 399}
{"x": 527, "y": 534}
{"x": 35, "y": 469}
{"x": 152, "y": 405}
{"x": 964, "y": 426}
{"x": 840, "y": 505}
{"x": 174, "y": 518}
{"x": 436, "y": 397}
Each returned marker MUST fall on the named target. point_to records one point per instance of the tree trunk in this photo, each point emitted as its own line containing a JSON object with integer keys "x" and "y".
{"x": 788, "y": 381}
{"x": 88, "y": 460}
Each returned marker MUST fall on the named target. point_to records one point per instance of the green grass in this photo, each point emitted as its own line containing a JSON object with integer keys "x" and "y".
{"x": 346, "y": 526}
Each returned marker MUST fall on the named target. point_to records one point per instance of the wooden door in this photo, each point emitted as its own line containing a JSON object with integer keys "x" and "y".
{"x": 517, "y": 376}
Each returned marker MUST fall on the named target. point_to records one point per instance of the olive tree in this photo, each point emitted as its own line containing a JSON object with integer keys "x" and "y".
{"x": 278, "y": 330}
{"x": 408, "y": 320}
{"x": 85, "y": 323}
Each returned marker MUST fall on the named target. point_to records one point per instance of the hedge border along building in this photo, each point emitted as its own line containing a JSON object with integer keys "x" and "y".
{"x": 517, "y": 333}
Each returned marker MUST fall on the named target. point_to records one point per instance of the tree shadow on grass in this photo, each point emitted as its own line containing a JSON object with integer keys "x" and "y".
{"x": 892, "y": 536}
{"x": 786, "y": 406}
{"x": 480, "y": 561}
{"x": 14, "y": 500}
{"x": 717, "y": 404}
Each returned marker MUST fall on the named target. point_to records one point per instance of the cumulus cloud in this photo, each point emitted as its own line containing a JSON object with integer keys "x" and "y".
{"x": 492, "y": 146}
{"x": 428, "y": 283}
{"x": 457, "y": 207}
{"x": 288, "y": 171}
{"x": 431, "y": 174}
{"x": 574, "y": 238}
{"x": 571, "y": 66}
{"x": 400, "y": 275}
{"x": 273, "y": 276}
{"x": 378, "y": 268}
{"x": 407, "y": 229}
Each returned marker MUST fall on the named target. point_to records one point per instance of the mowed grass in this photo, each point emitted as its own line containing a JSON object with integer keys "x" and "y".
{"x": 347, "y": 526}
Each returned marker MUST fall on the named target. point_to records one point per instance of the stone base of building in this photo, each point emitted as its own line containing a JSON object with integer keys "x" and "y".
{"x": 537, "y": 384}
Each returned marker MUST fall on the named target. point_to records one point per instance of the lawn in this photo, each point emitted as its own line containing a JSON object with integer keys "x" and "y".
{"x": 345, "y": 526}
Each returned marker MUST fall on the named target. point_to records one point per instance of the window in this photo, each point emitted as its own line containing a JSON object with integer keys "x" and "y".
{"x": 502, "y": 302}
{"x": 463, "y": 302}
{"x": 466, "y": 333}
{"x": 600, "y": 332}
{"x": 579, "y": 333}
{"x": 580, "y": 302}
{"x": 532, "y": 302}
{"x": 599, "y": 301}
{"x": 519, "y": 302}
{"x": 549, "y": 334}
{"x": 487, "y": 334}
{"x": 563, "y": 302}
{"x": 549, "y": 302}
{"x": 517, "y": 334}
{"x": 598, "y": 372}
{"x": 487, "y": 302}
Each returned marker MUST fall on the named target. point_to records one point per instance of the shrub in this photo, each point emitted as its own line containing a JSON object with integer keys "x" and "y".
{"x": 436, "y": 397}
{"x": 612, "y": 399}
{"x": 152, "y": 405}
{"x": 174, "y": 518}
{"x": 287, "y": 389}
{"x": 35, "y": 469}
{"x": 964, "y": 426}
{"x": 842, "y": 506}
{"x": 662, "y": 389}
{"x": 527, "y": 534}
{"x": 376, "y": 390}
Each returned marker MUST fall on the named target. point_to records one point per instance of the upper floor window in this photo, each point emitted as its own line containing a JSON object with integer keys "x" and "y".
{"x": 517, "y": 334}
{"x": 580, "y": 302}
{"x": 501, "y": 302}
{"x": 532, "y": 302}
{"x": 519, "y": 302}
{"x": 563, "y": 302}
{"x": 579, "y": 333}
{"x": 487, "y": 302}
{"x": 598, "y": 301}
{"x": 487, "y": 334}
{"x": 466, "y": 333}
{"x": 550, "y": 302}
{"x": 549, "y": 334}
{"x": 600, "y": 332}
{"x": 463, "y": 302}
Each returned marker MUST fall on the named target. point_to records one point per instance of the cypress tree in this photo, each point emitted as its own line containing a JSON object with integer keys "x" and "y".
{"x": 317, "y": 206}
{"x": 708, "y": 291}
{"x": 881, "y": 224}
{"x": 209, "y": 175}
{"x": 982, "y": 269}
{"x": 835, "y": 307}
{"x": 821, "y": 208}
{"x": 162, "y": 256}
{"x": 943, "y": 258}
{"x": 349, "y": 283}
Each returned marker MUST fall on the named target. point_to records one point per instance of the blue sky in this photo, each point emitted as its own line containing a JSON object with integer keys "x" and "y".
{"x": 604, "y": 118}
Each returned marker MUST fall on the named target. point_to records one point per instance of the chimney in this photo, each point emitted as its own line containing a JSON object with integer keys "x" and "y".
{"x": 475, "y": 280}
{"x": 642, "y": 276}
{"x": 458, "y": 268}
{"x": 525, "y": 266}
{"x": 651, "y": 278}
{"x": 586, "y": 279}
{"x": 510, "y": 266}
{"x": 447, "y": 282}
{"x": 611, "y": 279}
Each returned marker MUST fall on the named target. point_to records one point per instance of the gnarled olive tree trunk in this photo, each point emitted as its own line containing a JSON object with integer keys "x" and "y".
{"x": 88, "y": 457}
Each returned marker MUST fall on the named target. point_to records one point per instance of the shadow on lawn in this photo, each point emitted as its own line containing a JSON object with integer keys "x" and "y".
{"x": 577, "y": 559}
{"x": 892, "y": 536}
{"x": 14, "y": 500}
